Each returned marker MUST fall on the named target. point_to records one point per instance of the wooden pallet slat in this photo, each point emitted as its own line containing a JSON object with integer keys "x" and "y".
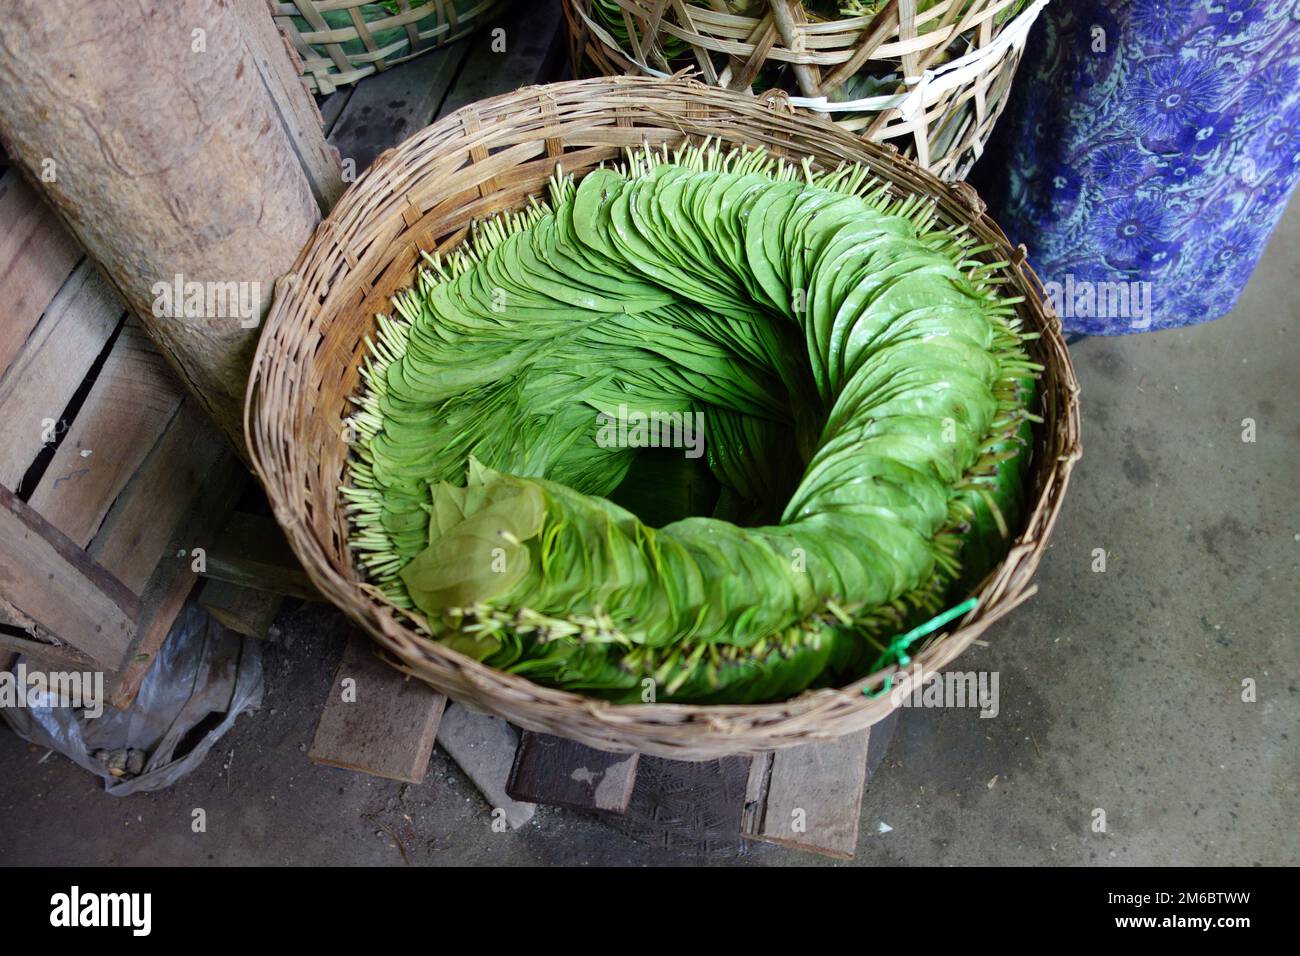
{"x": 62, "y": 656}
{"x": 52, "y": 580}
{"x": 687, "y": 805}
{"x": 50, "y": 366}
{"x": 377, "y": 720}
{"x": 173, "y": 576}
{"x": 810, "y": 797}
{"x": 564, "y": 773}
{"x": 36, "y": 256}
{"x": 127, "y": 409}
{"x": 12, "y": 617}
{"x": 162, "y": 493}
{"x": 108, "y": 607}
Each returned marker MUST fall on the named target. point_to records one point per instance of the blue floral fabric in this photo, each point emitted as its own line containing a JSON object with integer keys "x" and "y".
{"x": 1148, "y": 151}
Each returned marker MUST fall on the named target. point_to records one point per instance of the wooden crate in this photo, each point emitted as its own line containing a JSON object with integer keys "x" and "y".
{"x": 110, "y": 478}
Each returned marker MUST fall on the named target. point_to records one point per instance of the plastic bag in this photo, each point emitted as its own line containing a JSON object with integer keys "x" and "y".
{"x": 204, "y": 675}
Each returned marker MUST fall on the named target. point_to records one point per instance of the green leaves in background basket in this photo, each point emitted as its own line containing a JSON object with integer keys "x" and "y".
{"x": 864, "y": 397}
{"x": 610, "y": 16}
{"x": 380, "y": 10}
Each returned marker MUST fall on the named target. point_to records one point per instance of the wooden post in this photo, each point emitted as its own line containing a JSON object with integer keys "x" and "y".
{"x": 155, "y": 133}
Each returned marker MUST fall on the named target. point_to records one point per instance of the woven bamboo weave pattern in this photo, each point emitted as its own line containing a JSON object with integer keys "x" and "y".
{"x": 929, "y": 77}
{"x": 342, "y": 41}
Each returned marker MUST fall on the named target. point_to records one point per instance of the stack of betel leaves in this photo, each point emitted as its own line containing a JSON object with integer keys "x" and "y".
{"x": 865, "y": 403}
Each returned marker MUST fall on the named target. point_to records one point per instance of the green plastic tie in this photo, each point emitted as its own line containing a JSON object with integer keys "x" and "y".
{"x": 896, "y": 652}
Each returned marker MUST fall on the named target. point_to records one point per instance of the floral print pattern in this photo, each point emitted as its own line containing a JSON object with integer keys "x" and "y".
{"x": 1150, "y": 141}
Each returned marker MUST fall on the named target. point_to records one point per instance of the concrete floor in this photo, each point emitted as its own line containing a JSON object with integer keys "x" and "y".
{"x": 1119, "y": 690}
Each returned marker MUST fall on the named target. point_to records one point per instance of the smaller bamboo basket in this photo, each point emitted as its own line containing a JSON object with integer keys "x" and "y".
{"x": 342, "y": 41}
{"x": 491, "y": 157}
{"x": 931, "y": 79}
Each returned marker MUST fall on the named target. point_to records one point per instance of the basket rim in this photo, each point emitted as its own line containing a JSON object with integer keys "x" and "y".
{"x": 668, "y": 729}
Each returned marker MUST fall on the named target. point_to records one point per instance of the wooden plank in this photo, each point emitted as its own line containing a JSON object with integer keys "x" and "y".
{"x": 50, "y": 579}
{"x": 484, "y": 746}
{"x": 390, "y": 106}
{"x": 565, "y": 773}
{"x": 50, "y": 367}
{"x": 760, "y": 770}
{"x": 281, "y": 70}
{"x": 163, "y": 606}
{"x": 173, "y": 576}
{"x": 58, "y": 655}
{"x": 243, "y": 610}
{"x": 810, "y": 797}
{"x": 687, "y": 805}
{"x": 161, "y": 495}
{"x": 37, "y": 642}
{"x": 127, "y": 409}
{"x": 376, "y": 719}
{"x": 251, "y": 551}
{"x": 36, "y": 256}
{"x": 12, "y": 617}
{"x": 530, "y": 33}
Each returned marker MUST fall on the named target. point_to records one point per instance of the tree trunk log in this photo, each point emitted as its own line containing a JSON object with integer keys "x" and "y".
{"x": 152, "y": 132}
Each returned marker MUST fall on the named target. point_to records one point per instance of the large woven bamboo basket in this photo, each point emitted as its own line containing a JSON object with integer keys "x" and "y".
{"x": 490, "y": 157}
{"x": 342, "y": 41}
{"x": 929, "y": 77}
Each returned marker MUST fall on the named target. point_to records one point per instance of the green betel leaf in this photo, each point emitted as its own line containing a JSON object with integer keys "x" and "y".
{"x": 812, "y": 400}
{"x": 478, "y": 538}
